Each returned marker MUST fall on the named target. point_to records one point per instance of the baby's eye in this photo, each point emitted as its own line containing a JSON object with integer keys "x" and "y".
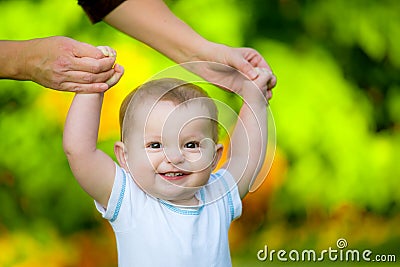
{"x": 192, "y": 145}
{"x": 154, "y": 145}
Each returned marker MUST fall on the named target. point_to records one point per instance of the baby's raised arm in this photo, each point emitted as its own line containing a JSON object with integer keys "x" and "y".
{"x": 249, "y": 139}
{"x": 93, "y": 169}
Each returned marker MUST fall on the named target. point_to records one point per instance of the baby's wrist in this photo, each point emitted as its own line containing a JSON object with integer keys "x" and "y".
{"x": 254, "y": 95}
{"x": 256, "y": 101}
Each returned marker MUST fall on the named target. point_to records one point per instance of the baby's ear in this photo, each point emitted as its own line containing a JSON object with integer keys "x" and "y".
{"x": 119, "y": 151}
{"x": 219, "y": 148}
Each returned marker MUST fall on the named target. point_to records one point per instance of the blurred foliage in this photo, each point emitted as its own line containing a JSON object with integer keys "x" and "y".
{"x": 362, "y": 36}
{"x": 336, "y": 109}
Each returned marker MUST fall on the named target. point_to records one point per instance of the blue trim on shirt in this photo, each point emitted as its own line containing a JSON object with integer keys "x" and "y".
{"x": 230, "y": 201}
{"x": 185, "y": 211}
{"x": 121, "y": 196}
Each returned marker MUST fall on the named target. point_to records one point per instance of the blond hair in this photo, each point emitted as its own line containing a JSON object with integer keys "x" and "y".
{"x": 167, "y": 89}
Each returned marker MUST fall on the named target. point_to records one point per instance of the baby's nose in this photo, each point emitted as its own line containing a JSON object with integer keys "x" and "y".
{"x": 173, "y": 155}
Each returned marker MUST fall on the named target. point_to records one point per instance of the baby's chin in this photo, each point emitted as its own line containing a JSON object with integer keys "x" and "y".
{"x": 185, "y": 196}
{"x": 190, "y": 202}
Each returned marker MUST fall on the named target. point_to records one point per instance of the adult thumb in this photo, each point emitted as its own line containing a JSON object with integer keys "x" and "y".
{"x": 244, "y": 66}
{"x": 87, "y": 50}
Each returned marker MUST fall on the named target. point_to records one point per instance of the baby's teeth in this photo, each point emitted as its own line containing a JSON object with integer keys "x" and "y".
{"x": 173, "y": 174}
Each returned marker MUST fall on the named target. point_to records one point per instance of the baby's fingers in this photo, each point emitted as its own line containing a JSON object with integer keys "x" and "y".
{"x": 107, "y": 51}
{"x": 265, "y": 77}
{"x": 265, "y": 81}
{"x": 118, "y": 69}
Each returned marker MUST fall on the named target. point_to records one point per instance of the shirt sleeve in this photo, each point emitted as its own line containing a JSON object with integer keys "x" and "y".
{"x": 222, "y": 184}
{"x": 120, "y": 205}
{"x": 117, "y": 196}
{"x": 96, "y": 10}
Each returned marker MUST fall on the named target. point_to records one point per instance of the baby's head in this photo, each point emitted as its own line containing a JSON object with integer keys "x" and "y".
{"x": 166, "y": 89}
{"x": 169, "y": 130}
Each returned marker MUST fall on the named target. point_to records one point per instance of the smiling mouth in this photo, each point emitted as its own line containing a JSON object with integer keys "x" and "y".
{"x": 173, "y": 175}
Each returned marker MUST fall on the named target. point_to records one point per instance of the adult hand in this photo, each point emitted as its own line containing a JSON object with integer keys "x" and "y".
{"x": 235, "y": 66}
{"x": 65, "y": 64}
{"x": 178, "y": 41}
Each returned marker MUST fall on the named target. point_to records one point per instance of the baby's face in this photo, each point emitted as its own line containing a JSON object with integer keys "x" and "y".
{"x": 175, "y": 154}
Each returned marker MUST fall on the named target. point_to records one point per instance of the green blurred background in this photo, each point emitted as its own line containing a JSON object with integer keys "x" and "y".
{"x": 336, "y": 109}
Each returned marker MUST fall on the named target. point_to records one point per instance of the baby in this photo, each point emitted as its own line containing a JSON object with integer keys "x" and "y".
{"x": 165, "y": 204}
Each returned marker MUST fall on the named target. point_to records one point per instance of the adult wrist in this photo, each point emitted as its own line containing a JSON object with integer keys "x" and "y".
{"x": 25, "y": 58}
{"x": 12, "y": 60}
{"x": 21, "y": 67}
{"x": 199, "y": 50}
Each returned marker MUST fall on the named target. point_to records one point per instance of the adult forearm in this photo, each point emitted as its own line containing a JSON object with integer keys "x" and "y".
{"x": 59, "y": 63}
{"x": 12, "y": 62}
{"x": 153, "y": 23}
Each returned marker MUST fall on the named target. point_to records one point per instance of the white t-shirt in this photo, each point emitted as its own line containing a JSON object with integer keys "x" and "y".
{"x": 152, "y": 232}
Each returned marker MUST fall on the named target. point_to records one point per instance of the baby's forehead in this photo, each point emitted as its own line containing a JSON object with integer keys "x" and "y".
{"x": 149, "y": 115}
{"x": 146, "y": 106}
{"x": 153, "y": 106}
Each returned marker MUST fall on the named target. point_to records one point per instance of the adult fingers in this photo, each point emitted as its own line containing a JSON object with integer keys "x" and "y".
{"x": 97, "y": 87}
{"x": 258, "y": 61}
{"x": 246, "y": 60}
{"x": 84, "y": 87}
{"x": 88, "y": 77}
{"x": 101, "y": 83}
{"x": 255, "y": 58}
{"x": 80, "y": 49}
{"x": 237, "y": 60}
{"x": 87, "y": 64}
{"x": 119, "y": 71}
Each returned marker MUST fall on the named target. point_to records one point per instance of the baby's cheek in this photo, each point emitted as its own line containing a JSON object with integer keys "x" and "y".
{"x": 200, "y": 161}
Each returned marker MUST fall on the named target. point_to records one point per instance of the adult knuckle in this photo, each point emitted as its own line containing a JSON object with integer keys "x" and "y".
{"x": 96, "y": 67}
{"x": 63, "y": 63}
{"x": 75, "y": 89}
{"x": 57, "y": 80}
{"x": 65, "y": 43}
{"x": 64, "y": 87}
{"x": 88, "y": 78}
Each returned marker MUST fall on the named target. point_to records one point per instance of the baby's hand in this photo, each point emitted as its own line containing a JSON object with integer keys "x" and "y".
{"x": 119, "y": 70}
{"x": 263, "y": 81}
{"x": 258, "y": 89}
{"x": 107, "y": 51}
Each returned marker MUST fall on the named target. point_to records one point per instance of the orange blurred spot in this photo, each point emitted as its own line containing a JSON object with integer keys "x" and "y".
{"x": 255, "y": 204}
